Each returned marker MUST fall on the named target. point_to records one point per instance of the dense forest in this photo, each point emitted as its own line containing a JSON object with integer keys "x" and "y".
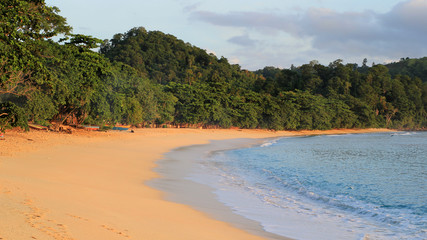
{"x": 148, "y": 78}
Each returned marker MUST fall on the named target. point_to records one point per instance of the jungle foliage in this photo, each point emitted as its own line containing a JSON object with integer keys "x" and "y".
{"x": 147, "y": 77}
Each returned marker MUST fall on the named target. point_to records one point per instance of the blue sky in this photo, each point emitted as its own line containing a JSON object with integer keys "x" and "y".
{"x": 259, "y": 33}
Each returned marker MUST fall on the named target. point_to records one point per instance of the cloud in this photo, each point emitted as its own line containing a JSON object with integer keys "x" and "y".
{"x": 410, "y": 16}
{"x": 191, "y": 7}
{"x": 401, "y": 32}
{"x": 234, "y": 60}
{"x": 264, "y": 22}
{"x": 211, "y": 52}
{"x": 243, "y": 40}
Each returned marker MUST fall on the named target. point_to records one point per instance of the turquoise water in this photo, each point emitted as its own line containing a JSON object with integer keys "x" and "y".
{"x": 361, "y": 186}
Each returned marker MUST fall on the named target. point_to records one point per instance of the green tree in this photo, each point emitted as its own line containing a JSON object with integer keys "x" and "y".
{"x": 25, "y": 26}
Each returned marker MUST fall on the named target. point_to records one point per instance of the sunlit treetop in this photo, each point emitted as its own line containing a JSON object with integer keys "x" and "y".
{"x": 30, "y": 20}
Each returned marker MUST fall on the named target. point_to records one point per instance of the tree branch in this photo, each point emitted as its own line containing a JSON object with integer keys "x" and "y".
{"x": 17, "y": 82}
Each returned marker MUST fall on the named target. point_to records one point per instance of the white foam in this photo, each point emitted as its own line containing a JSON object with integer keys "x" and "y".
{"x": 403, "y": 133}
{"x": 294, "y": 214}
{"x": 268, "y": 144}
{"x": 297, "y": 212}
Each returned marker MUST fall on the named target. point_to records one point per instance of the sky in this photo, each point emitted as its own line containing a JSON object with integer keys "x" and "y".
{"x": 260, "y": 33}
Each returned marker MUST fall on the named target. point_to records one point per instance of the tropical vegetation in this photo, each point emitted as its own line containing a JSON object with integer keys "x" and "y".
{"x": 149, "y": 78}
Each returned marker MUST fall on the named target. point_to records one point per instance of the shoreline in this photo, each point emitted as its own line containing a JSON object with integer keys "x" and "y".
{"x": 179, "y": 185}
{"x": 93, "y": 185}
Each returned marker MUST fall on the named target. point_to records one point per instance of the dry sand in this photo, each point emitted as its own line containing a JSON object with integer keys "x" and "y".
{"x": 91, "y": 185}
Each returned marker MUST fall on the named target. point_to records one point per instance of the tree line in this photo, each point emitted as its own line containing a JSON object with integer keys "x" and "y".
{"x": 150, "y": 78}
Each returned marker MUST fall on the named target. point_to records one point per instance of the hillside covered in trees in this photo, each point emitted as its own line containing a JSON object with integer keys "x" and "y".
{"x": 147, "y": 77}
{"x": 410, "y": 67}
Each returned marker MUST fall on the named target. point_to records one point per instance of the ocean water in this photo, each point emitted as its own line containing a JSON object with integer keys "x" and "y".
{"x": 356, "y": 186}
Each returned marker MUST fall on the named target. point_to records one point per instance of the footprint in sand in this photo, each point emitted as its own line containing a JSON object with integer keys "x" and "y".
{"x": 37, "y": 219}
{"x": 77, "y": 217}
{"x": 123, "y": 233}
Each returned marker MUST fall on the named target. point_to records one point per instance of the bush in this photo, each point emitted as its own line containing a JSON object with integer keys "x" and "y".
{"x": 12, "y": 116}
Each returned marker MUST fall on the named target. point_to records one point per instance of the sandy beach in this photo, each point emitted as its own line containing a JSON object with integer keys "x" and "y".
{"x": 92, "y": 185}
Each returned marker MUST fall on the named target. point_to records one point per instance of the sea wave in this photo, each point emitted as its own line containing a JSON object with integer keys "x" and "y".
{"x": 254, "y": 174}
{"x": 269, "y": 143}
{"x": 403, "y": 133}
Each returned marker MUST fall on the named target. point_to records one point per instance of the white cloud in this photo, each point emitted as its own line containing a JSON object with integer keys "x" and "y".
{"x": 234, "y": 60}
